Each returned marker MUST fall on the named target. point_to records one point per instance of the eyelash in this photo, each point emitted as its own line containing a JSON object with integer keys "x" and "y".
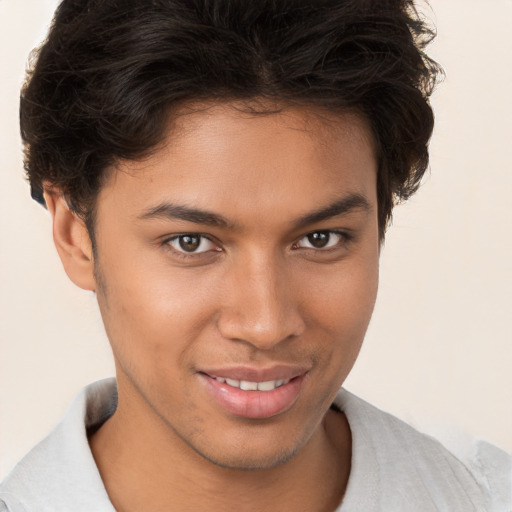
{"x": 184, "y": 254}
{"x": 345, "y": 238}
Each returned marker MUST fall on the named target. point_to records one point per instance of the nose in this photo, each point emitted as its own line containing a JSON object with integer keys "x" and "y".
{"x": 261, "y": 306}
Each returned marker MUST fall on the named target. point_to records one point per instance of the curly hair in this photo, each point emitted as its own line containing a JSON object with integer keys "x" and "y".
{"x": 110, "y": 74}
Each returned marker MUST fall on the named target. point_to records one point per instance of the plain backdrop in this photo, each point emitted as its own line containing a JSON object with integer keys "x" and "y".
{"x": 439, "y": 349}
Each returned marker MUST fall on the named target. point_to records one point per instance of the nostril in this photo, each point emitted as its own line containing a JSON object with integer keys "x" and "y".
{"x": 263, "y": 334}
{"x": 260, "y": 307}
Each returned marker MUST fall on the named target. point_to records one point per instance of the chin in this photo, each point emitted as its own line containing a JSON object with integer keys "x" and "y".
{"x": 249, "y": 461}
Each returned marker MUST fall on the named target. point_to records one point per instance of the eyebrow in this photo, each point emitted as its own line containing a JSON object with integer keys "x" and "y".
{"x": 341, "y": 206}
{"x": 174, "y": 211}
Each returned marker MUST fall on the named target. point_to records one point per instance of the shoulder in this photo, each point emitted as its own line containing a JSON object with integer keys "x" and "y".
{"x": 492, "y": 469}
{"x": 402, "y": 467}
{"x": 59, "y": 473}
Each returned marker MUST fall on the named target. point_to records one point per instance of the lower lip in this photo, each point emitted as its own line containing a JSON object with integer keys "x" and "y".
{"x": 254, "y": 404}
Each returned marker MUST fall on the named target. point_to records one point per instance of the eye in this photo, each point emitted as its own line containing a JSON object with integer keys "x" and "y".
{"x": 321, "y": 240}
{"x": 191, "y": 243}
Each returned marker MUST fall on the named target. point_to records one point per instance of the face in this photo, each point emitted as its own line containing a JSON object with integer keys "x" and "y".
{"x": 237, "y": 271}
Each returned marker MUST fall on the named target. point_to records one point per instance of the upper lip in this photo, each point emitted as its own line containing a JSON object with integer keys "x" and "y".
{"x": 252, "y": 374}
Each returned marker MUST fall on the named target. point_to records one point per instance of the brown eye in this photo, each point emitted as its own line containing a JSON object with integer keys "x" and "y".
{"x": 321, "y": 240}
{"x": 191, "y": 243}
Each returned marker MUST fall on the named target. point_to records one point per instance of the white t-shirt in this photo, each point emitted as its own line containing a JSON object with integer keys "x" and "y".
{"x": 394, "y": 467}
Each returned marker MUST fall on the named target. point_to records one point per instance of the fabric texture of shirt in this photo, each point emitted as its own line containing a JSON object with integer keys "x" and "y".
{"x": 394, "y": 467}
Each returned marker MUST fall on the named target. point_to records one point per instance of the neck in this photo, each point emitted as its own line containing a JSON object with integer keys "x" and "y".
{"x": 158, "y": 471}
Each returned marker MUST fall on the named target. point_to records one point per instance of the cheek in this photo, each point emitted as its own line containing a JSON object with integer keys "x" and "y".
{"x": 341, "y": 309}
{"x": 149, "y": 312}
{"x": 347, "y": 294}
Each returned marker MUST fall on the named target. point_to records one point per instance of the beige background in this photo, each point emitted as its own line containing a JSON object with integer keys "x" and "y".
{"x": 439, "y": 349}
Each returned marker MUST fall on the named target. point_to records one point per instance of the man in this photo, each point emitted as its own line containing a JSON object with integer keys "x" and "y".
{"x": 221, "y": 175}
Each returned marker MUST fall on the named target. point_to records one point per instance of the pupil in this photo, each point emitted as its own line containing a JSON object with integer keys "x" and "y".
{"x": 189, "y": 243}
{"x": 318, "y": 239}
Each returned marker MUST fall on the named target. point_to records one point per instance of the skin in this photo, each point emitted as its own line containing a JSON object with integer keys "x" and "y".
{"x": 256, "y": 293}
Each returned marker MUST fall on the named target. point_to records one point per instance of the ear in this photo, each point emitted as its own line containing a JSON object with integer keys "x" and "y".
{"x": 72, "y": 240}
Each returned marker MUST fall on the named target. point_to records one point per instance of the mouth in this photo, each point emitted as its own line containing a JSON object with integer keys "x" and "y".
{"x": 251, "y": 393}
{"x": 247, "y": 385}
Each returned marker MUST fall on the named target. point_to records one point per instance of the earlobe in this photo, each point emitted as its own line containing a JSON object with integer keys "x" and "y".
{"x": 72, "y": 240}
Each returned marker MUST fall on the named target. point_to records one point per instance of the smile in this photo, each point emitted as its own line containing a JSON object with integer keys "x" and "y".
{"x": 246, "y": 385}
{"x": 253, "y": 393}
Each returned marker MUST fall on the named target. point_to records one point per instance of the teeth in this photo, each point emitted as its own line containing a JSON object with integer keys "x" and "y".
{"x": 246, "y": 385}
{"x": 267, "y": 386}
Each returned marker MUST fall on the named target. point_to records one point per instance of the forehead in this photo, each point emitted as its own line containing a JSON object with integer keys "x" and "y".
{"x": 229, "y": 157}
{"x": 255, "y": 125}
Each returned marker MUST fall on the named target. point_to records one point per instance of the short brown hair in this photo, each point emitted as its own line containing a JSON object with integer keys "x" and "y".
{"x": 110, "y": 74}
